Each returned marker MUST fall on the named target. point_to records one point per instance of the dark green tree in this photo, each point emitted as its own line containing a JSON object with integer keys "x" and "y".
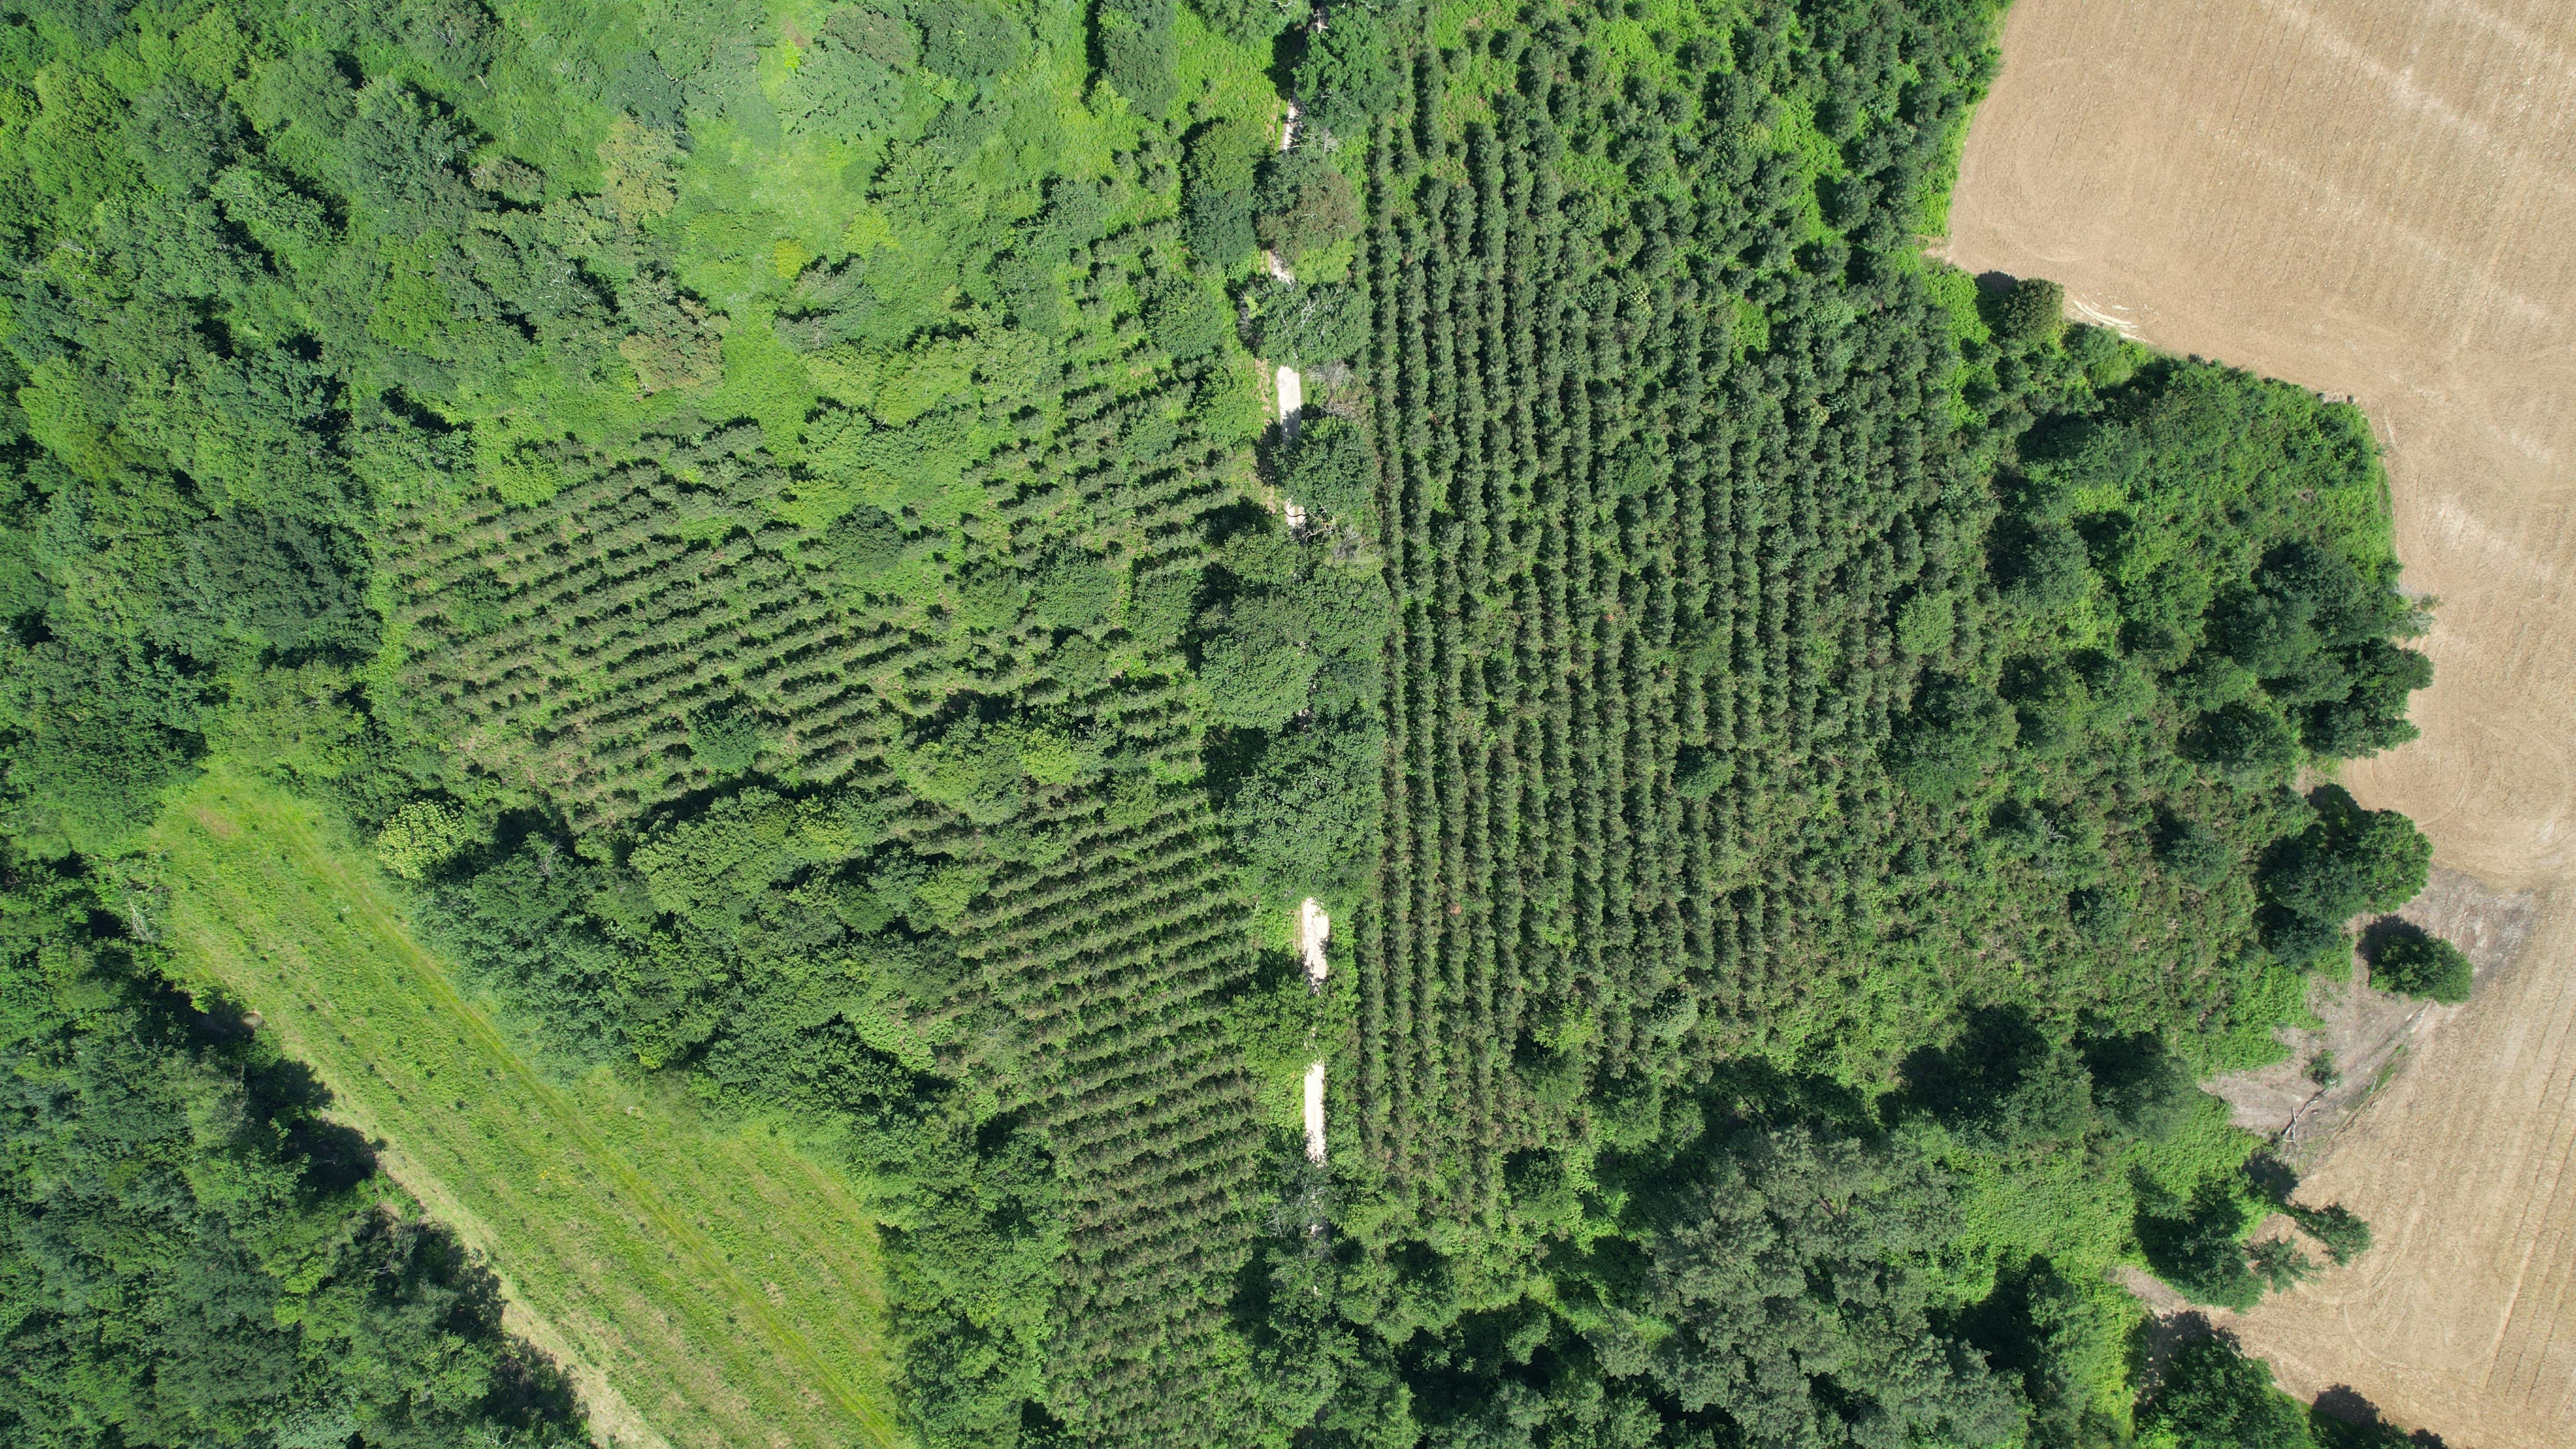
{"x": 1250, "y": 22}
{"x": 1133, "y": 43}
{"x": 2029, "y": 313}
{"x": 1956, "y": 731}
{"x": 2342, "y": 1232}
{"x": 1349, "y": 75}
{"x": 2212, "y": 1396}
{"x": 2415, "y": 962}
{"x": 1331, "y": 470}
{"x": 1795, "y": 1261}
{"x": 1302, "y": 203}
{"x": 971, "y": 39}
{"x": 1217, "y": 169}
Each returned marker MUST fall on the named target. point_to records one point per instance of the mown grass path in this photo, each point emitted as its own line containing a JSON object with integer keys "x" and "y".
{"x": 724, "y": 1286}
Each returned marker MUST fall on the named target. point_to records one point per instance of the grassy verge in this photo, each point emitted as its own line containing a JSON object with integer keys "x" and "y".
{"x": 725, "y": 1287}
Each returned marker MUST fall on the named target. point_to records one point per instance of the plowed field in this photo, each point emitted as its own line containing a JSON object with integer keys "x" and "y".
{"x": 2378, "y": 198}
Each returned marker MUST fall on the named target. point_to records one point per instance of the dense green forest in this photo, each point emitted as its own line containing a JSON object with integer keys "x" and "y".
{"x": 769, "y": 514}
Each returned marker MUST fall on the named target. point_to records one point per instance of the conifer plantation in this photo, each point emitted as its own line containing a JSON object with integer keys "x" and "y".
{"x": 759, "y": 536}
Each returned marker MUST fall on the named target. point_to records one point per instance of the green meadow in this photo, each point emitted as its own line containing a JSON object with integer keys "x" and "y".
{"x": 726, "y": 1284}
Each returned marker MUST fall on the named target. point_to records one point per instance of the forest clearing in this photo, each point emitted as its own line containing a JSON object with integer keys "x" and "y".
{"x": 710, "y": 1282}
{"x": 2373, "y": 198}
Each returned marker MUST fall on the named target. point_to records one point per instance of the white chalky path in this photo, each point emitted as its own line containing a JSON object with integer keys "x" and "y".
{"x": 1313, "y": 929}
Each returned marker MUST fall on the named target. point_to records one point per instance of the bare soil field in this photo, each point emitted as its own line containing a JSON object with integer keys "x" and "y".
{"x": 2377, "y": 198}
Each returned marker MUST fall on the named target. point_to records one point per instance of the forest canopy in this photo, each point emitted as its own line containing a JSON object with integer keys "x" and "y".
{"x": 769, "y": 525}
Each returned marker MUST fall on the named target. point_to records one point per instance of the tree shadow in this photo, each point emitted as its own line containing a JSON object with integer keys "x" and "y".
{"x": 2345, "y": 1419}
{"x": 2002, "y": 1081}
{"x": 2271, "y": 1178}
{"x": 2153, "y": 1341}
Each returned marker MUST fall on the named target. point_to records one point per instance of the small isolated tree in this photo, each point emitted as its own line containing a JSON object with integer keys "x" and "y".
{"x": 2030, "y": 313}
{"x": 2279, "y": 1264}
{"x": 2338, "y": 1229}
{"x": 2414, "y": 962}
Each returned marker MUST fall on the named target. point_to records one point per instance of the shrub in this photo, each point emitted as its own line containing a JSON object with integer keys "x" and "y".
{"x": 2414, "y": 962}
{"x": 424, "y": 835}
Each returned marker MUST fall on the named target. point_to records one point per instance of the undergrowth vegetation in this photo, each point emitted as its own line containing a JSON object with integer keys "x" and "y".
{"x": 764, "y": 520}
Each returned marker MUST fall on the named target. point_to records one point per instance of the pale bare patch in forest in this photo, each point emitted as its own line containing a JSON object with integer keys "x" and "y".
{"x": 1315, "y": 1112}
{"x": 1314, "y": 928}
{"x": 2376, "y": 198}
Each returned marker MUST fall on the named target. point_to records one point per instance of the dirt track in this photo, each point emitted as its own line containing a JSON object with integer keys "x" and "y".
{"x": 2378, "y": 197}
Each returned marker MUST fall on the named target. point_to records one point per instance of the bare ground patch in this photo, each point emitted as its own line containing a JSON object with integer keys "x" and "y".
{"x": 2377, "y": 198}
{"x": 2364, "y": 1035}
